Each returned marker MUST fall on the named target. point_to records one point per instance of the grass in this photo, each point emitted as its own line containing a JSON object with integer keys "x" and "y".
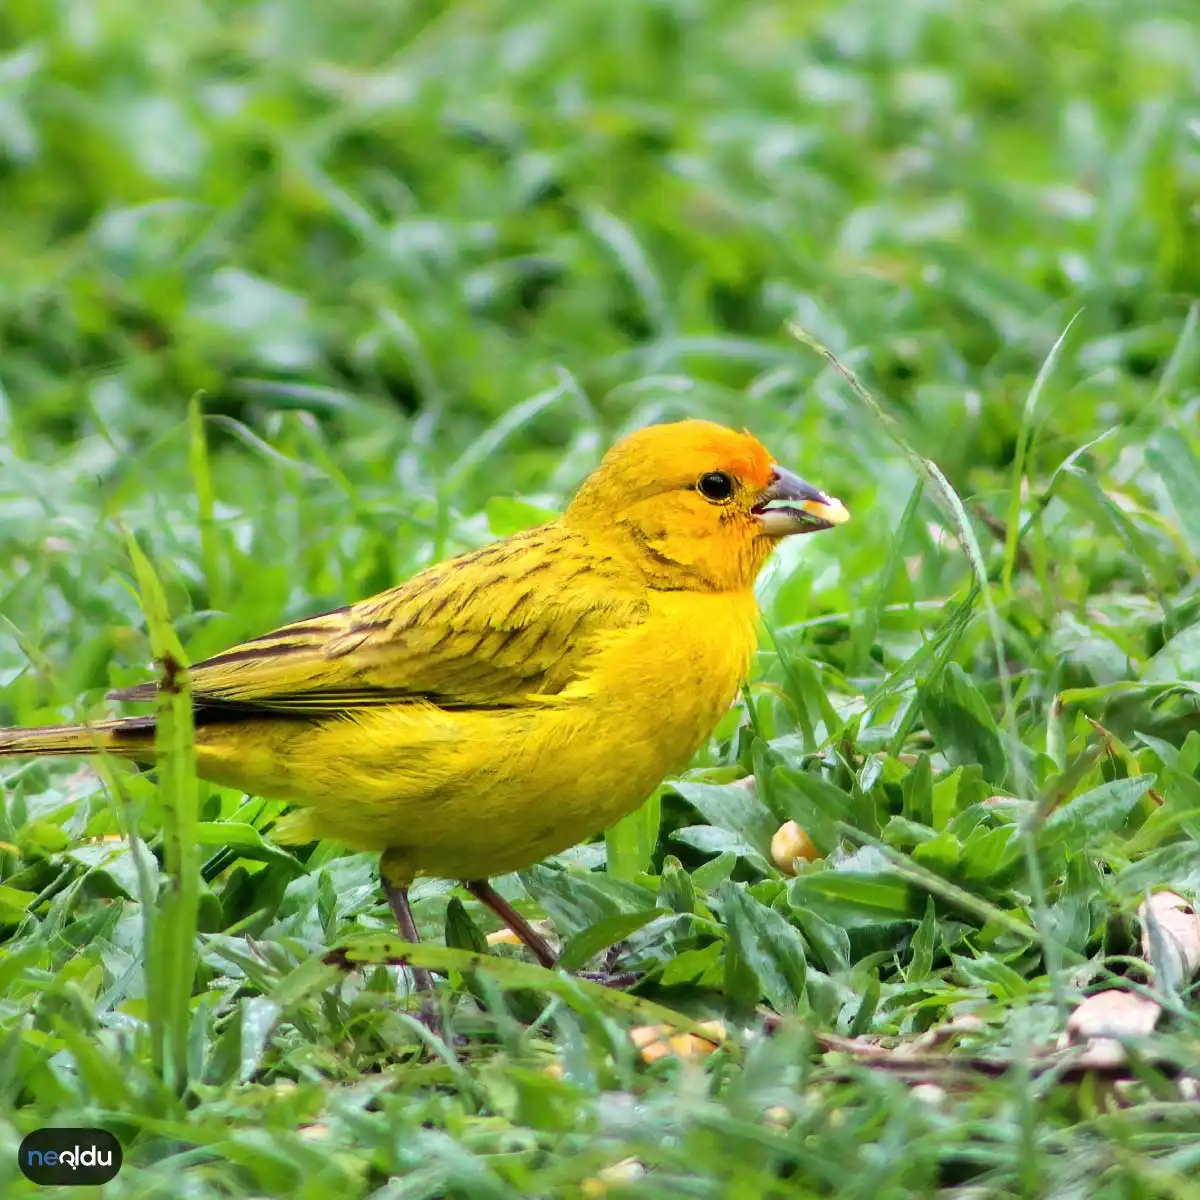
{"x": 412, "y": 267}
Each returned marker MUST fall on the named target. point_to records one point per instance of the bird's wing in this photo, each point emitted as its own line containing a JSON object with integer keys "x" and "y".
{"x": 491, "y": 629}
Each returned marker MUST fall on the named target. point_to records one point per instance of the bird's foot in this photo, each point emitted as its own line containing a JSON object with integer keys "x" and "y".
{"x": 620, "y": 980}
{"x": 425, "y": 1010}
{"x": 430, "y": 1016}
{"x": 608, "y": 975}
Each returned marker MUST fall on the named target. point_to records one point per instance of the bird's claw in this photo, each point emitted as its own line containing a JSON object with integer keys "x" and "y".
{"x": 620, "y": 980}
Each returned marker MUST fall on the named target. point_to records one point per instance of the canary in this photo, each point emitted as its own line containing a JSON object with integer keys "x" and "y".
{"x": 506, "y": 704}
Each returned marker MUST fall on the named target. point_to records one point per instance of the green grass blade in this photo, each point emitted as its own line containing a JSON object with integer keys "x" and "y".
{"x": 1024, "y": 441}
{"x": 171, "y": 931}
{"x": 210, "y": 554}
{"x": 867, "y": 626}
{"x": 938, "y": 886}
{"x": 950, "y": 503}
{"x": 508, "y": 973}
{"x": 631, "y": 841}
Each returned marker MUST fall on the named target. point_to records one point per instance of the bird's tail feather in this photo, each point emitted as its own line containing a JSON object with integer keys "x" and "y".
{"x": 132, "y": 737}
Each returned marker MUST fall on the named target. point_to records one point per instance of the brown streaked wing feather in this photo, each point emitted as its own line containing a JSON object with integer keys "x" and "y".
{"x": 489, "y": 629}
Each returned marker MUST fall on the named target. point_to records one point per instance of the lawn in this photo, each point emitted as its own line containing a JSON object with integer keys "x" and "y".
{"x": 296, "y": 299}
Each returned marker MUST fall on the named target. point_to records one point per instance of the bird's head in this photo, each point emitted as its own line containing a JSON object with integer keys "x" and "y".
{"x": 697, "y": 506}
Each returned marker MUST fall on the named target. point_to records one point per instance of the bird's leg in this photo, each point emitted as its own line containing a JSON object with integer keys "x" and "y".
{"x": 486, "y": 894}
{"x": 395, "y": 877}
{"x": 397, "y": 898}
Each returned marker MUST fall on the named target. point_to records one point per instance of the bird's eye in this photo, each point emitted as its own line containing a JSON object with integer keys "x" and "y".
{"x": 716, "y": 485}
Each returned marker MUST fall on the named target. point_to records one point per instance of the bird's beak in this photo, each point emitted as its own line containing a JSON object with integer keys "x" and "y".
{"x": 789, "y": 505}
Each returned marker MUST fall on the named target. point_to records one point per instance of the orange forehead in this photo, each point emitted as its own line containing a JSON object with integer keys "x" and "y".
{"x": 689, "y": 448}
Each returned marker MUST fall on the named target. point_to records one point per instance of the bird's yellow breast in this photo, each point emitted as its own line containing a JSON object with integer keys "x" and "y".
{"x": 469, "y": 793}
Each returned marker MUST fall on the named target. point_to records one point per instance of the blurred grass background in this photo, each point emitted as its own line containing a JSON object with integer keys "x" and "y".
{"x": 421, "y": 263}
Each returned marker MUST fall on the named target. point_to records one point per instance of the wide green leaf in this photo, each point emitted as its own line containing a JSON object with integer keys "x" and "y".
{"x": 764, "y": 943}
{"x": 961, "y": 721}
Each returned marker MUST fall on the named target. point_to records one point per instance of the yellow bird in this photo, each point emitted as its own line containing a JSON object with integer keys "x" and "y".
{"x": 504, "y": 705}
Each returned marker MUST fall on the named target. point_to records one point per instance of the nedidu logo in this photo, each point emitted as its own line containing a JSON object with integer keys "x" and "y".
{"x": 69, "y": 1156}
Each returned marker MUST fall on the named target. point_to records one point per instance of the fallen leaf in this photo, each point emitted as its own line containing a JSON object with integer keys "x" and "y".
{"x": 1170, "y": 939}
{"x": 1105, "y": 1021}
